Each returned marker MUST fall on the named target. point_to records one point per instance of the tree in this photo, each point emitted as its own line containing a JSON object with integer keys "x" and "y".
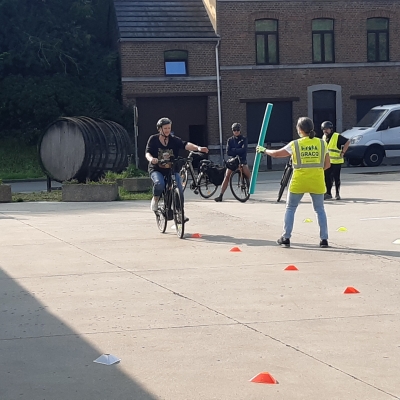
{"x": 55, "y": 60}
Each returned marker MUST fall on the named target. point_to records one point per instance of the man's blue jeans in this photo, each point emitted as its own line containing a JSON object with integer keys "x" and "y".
{"x": 159, "y": 183}
{"x": 293, "y": 200}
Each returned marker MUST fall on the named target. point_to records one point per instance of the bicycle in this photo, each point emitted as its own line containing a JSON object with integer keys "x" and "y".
{"x": 170, "y": 203}
{"x": 202, "y": 183}
{"x": 239, "y": 182}
{"x": 287, "y": 174}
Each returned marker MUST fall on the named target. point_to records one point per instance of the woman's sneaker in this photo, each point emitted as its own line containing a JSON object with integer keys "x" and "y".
{"x": 283, "y": 242}
{"x": 323, "y": 243}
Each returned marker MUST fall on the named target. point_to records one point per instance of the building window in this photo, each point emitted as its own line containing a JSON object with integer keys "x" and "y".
{"x": 267, "y": 41}
{"x": 322, "y": 41}
{"x": 378, "y": 39}
{"x": 176, "y": 62}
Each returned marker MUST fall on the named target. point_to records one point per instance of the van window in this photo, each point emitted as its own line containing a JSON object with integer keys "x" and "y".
{"x": 370, "y": 118}
{"x": 392, "y": 121}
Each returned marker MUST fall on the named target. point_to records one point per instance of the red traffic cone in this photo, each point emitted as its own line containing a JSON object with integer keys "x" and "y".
{"x": 350, "y": 290}
{"x": 264, "y": 377}
{"x": 235, "y": 249}
{"x": 291, "y": 268}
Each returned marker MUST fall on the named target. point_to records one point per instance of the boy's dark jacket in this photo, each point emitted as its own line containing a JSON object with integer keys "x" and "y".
{"x": 237, "y": 146}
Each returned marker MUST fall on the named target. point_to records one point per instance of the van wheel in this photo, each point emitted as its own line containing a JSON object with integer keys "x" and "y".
{"x": 354, "y": 161}
{"x": 373, "y": 156}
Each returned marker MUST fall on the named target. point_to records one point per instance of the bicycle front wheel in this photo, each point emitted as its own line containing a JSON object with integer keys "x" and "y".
{"x": 179, "y": 217}
{"x": 206, "y": 187}
{"x": 161, "y": 214}
{"x": 240, "y": 185}
{"x": 287, "y": 173}
{"x": 184, "y": 177}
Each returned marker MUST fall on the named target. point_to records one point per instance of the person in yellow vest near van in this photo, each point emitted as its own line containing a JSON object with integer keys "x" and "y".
{"x": 310, "y": 158}
{"x": 337, "y": 146}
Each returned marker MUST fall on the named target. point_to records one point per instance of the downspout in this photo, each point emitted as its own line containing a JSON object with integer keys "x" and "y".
{"x": 219, "y": 103}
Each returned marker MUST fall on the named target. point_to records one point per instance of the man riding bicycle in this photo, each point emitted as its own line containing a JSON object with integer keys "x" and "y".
{"x": 236, "y": 145}
{"x": 161, "y": 148}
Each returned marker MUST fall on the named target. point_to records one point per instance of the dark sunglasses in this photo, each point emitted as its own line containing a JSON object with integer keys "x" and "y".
{"x": 235, "y": 130}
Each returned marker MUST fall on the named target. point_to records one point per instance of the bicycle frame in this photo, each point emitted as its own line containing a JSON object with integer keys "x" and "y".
{"x": 171, "y": 207}
{"x": 189, "y": 167}
{"x": 287, "y": 173}
{"x": 196, "y": 184}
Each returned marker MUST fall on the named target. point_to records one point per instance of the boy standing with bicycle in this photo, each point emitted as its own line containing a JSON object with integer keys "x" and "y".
{"x": 160, "y": 148}
{"x": 236, "y": 145}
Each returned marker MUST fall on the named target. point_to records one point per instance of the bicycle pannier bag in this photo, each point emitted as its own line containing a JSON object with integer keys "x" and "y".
{"x": 216, "y": 174}
{"x": 232, "y": 163}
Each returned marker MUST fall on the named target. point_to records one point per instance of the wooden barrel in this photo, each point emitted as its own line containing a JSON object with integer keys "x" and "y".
{"x": 83, "y": 148}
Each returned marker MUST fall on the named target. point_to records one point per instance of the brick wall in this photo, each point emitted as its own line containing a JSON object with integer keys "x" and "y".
{"x": 146, "y": 59}
{"x": 236, "y": 28}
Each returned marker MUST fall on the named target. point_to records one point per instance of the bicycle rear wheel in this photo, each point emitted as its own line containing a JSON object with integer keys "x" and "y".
{"x": 206, "y": 187}
{"x": 287, "y": 173}
{"x": 184, "y": 177}
{"x": 179, "y": 217}
{"x": 240, "y": 185}
{"x": 161, "y": 214}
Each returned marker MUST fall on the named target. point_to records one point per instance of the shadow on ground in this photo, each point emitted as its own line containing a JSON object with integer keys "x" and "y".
{"x": 42, "y": 358}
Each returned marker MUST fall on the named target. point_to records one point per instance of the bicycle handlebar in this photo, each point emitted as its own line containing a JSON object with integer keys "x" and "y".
{"x": 173, "y": 161}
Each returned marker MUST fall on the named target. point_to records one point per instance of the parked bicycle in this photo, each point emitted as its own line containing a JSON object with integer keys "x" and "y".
{"x": 239, "y": 182}
{"x": 287, "y": 174}
{"x": 170, "y": 203}
{"x": 208, "y": 179}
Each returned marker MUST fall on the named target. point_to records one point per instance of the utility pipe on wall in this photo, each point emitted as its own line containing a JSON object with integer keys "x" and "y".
{"x": 219, "y": 102}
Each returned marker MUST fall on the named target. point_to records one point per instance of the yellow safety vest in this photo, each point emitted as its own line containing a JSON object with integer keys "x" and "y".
{"x": 308, "y": 156}
{"x": 334, "y": 153}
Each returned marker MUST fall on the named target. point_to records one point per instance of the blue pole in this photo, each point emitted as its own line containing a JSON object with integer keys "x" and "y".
{"x": 261, "y": 141}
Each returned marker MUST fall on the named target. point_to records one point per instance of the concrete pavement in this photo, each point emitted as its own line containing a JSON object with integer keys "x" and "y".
{"x": 191, "y": 320}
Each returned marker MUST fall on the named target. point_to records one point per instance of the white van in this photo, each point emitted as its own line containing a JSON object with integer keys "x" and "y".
{"x": 377, "y": 135}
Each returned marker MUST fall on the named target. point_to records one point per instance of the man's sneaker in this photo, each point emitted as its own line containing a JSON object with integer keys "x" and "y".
{"x": 219, "y": 198}
{"x": 154, "y": 204}
{"x": 323, "y": 243}
{"x": 337, "y": 197}
{"x": 327, "y": 196}
{"x": 283, "y": 242}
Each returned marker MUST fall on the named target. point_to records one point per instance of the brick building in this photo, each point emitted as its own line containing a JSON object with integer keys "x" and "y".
{"x": 326, "y": 59}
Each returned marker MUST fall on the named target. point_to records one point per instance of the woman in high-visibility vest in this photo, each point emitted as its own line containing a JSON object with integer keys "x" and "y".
{"x": 310, "y": 158}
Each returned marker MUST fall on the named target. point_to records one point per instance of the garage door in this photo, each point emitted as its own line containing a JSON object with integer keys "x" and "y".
{"x": 280, "y": 127}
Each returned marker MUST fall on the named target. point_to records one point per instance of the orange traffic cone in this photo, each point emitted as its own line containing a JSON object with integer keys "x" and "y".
{"x": 264, "y": 377}
{"x": 235, "y": 249}
{"x": 350, "y": 289}
{"x": 291, "y": 268}
{"x": 196, "y": 235}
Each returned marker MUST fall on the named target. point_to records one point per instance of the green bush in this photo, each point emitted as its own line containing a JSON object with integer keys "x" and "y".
{"x": 132, "y": 172}
{"x": 19, "y": 160}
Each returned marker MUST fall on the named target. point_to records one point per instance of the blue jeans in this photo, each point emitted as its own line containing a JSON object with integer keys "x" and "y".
{"x": 159, "y": 183}
{"x": 293, "y": 200}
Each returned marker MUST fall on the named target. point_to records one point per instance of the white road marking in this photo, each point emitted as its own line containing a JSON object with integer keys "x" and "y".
{"x": 367, "y": 219}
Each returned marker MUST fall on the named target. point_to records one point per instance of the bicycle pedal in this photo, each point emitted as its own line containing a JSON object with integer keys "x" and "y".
{"x": 196, "y": 192}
